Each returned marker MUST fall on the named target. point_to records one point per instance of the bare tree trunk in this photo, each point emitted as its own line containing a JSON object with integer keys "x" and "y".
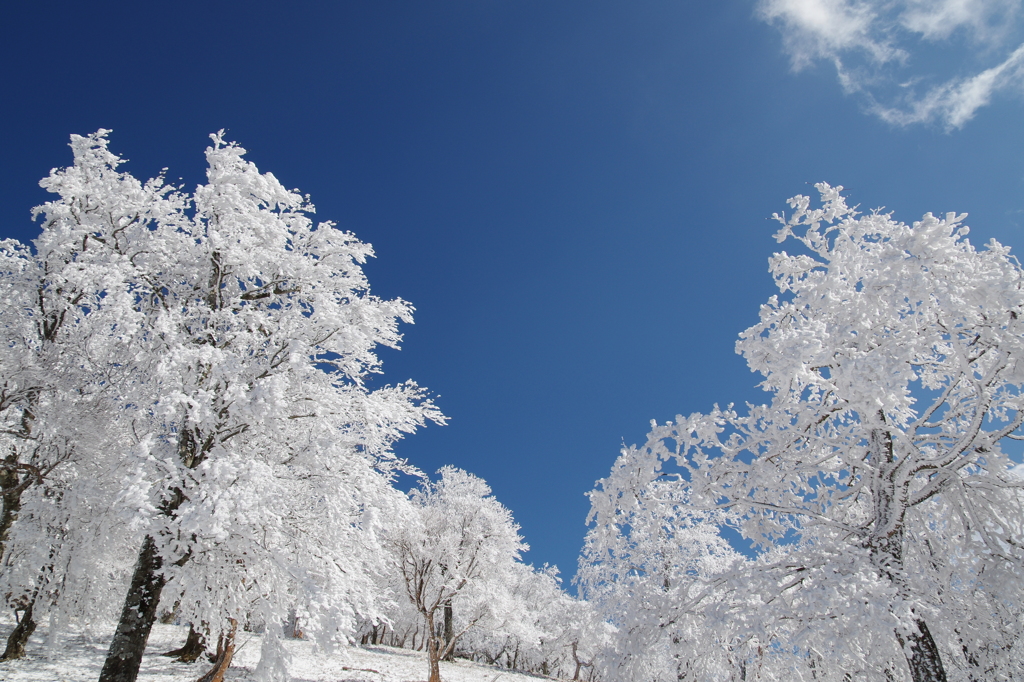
{"x": 923, "y": 655}
{"x": 18, "y": 638}
{"x": 194, "y": 647}
{"x": 434, "y": 658}
{"x": 292, "y": 628}
{"x": 137, "y": 617}
{"x": 580, "y": 663}
{"x": 434, "y": 652}
{"x": 11, "y": 486}
{"x": 225, "y": 652}
{"x": 449, "y": 630}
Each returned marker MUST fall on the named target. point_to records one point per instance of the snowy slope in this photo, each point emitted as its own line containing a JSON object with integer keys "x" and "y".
{"x": 82, "y": 656}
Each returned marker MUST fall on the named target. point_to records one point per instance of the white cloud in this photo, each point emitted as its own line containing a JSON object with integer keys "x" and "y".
{"x": 956, "y": 102}
{"x": 873, "y": 45}
{"x": 938, "y": 19}
{"x": 826, "y": 28}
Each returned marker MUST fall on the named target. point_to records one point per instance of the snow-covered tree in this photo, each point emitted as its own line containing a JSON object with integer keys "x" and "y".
{"x": 269, "y": 446}
{"x": 231, "y": 338}
{"x": 534, "y": 625}
{"x": 874, "y": 486}
{"x": 652, "y": 566}
{"x": 542, "y": 628}
{"x": 456, "y": 547}
{"x": 66, "y": 321}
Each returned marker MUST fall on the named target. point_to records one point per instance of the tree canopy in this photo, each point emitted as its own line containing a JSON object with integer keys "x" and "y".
{"x": 875, "y": 487}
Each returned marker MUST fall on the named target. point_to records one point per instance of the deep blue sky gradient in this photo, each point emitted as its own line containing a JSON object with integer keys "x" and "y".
{"x": 573, "y": 194}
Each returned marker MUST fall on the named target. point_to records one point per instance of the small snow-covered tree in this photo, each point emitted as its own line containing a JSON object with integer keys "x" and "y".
{"x": 539, "y": 625}
{"x": 456, "y": 550}
{"x": 535, "y": 626}
{"x": 874, "y": 485}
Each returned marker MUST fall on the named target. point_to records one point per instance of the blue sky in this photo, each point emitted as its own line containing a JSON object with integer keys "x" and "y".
{"x": 574, "y": 195}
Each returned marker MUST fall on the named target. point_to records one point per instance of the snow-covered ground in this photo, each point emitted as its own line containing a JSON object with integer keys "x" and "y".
{"x": 81, "y": 658}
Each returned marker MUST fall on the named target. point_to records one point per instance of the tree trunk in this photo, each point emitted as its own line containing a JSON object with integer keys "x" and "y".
{"x": 293, "y": 628}
{"x": 887, "y": 553}
{"x": 922, "y": 655}
{"x": 10, "y": 485}
{"x": 434, "y": 658}
{"x": 580, "y": 663}
{"x": 137, "y": 617}
{"x": 18, "y": 638}
{"x": 143, "y": 598}
{"x": 449, "y": 630}
{"x": 194, "y": 647}
{"x": 225, "y": 652}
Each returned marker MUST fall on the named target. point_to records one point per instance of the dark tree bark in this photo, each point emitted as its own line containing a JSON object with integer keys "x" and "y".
{"x": 140, "y": 605}
{"x": 26, "y": 625}
{"x": 192, "y": 649}
{"x": 18, "y": 639}
{"x": 923, "y": 656}
{"x": 11, "y": 487}
{"x": 449, "y": 629}
{"x": 137, "y": 617}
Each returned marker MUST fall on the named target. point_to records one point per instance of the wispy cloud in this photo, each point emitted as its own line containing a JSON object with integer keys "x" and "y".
{"x": 876, "y": 47}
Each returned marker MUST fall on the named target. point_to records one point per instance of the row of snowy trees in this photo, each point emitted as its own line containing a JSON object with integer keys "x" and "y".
{"x": 457, "y": 588}
{"x": 187, "y": 424}
{"x": 885, "y": 516}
